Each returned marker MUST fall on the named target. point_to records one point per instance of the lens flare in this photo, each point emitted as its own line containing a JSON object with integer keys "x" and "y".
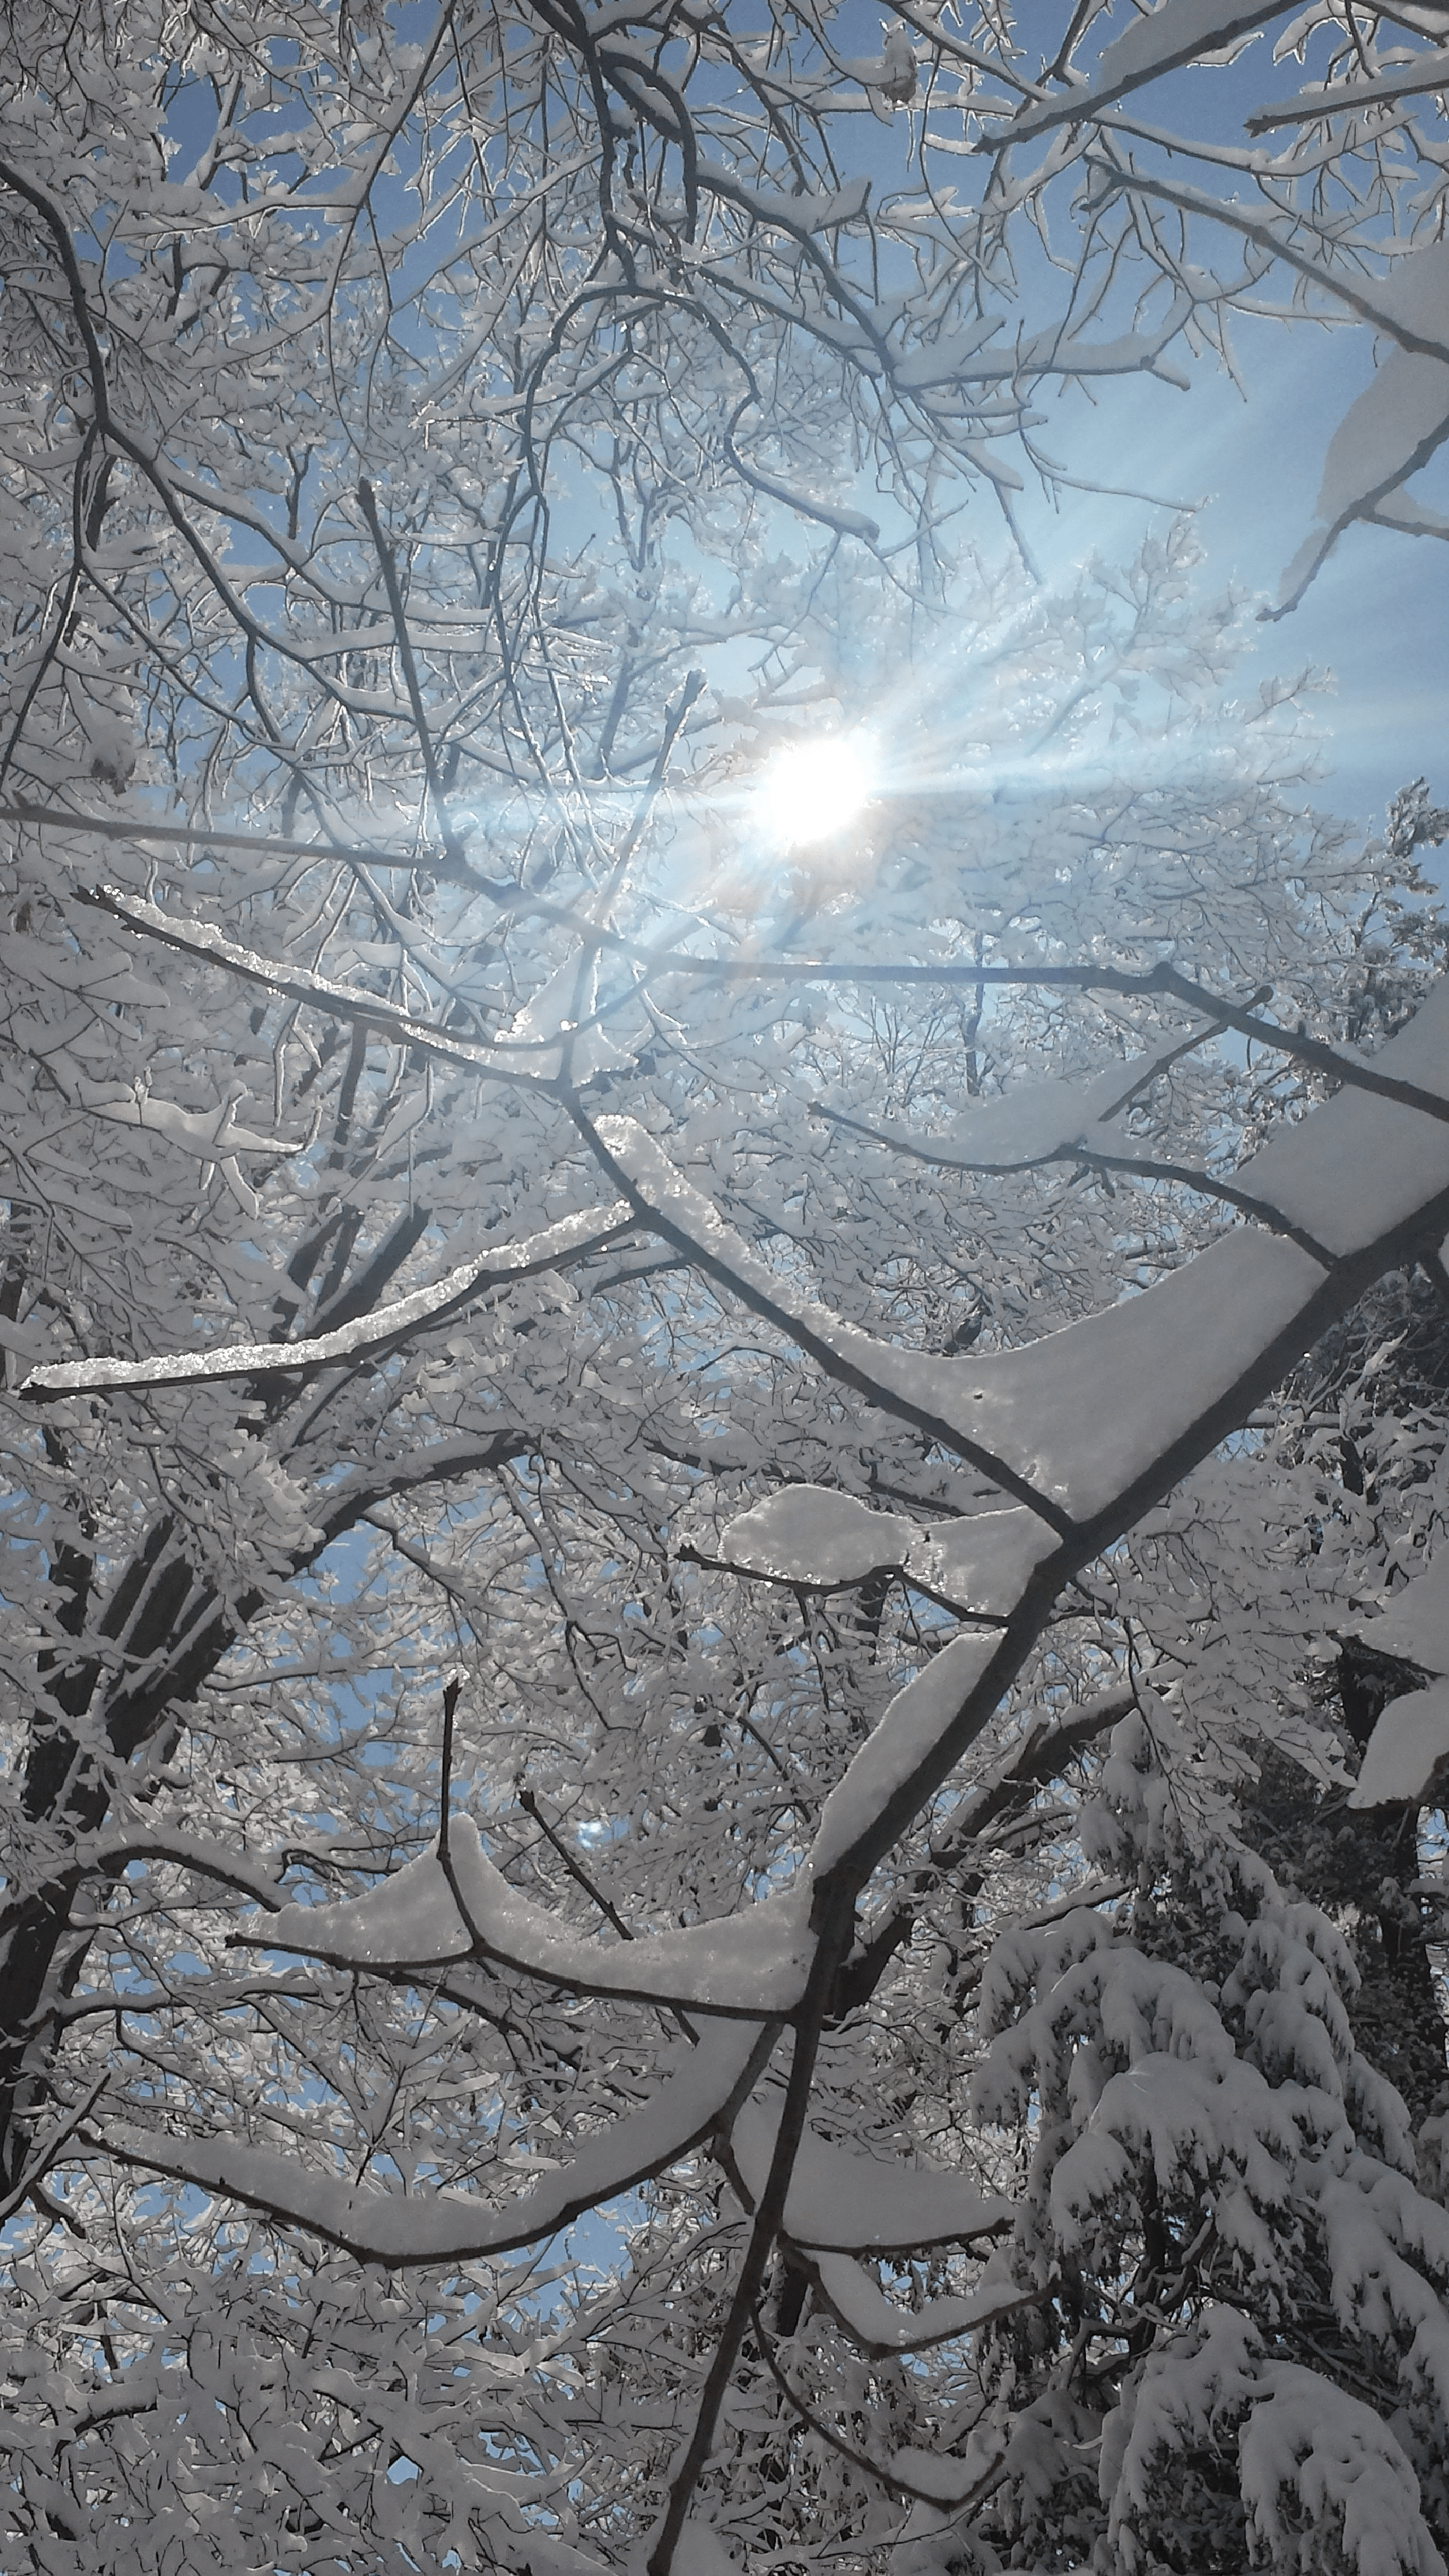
{"x": 814, "y": 789}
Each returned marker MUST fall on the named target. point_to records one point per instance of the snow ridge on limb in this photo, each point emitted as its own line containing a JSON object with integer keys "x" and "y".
{"x": 1414, "y": 1625}
{"x": 839, "y": 2203}
{"x": 572, "y": 1238}
{"x": 1407, "y": 1750}
{"x": 1175, "y": 33}
{"x": 919, "y": 1389}
{"x": 1410, "y": 1738}
{"x": 439, "y": 1909}
{"x": 1064, "y": 1424}
{"x": 530, "y": 1056}
{"x": 878, "y": 2325}
{"x": 917, "y": 1721}
{"x": 1388, "y": 433}
{"x": 815, "y": 1536}
{"x": 457, "y": 2226}
{"x": 1033, "y": 1123}
{"x": 1426, "y": 72}
{"x": 1069, "y": 1423}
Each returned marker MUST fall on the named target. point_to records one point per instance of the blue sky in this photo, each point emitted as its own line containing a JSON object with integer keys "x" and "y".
{"x": 1378, "y": 614}
{"x": 1376, "y": 617}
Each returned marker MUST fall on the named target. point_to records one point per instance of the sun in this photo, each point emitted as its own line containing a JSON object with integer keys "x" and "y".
{"x": 814, "y": 789}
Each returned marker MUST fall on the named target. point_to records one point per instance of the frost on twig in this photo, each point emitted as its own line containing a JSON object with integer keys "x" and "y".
{"x": 572, "y": 1238}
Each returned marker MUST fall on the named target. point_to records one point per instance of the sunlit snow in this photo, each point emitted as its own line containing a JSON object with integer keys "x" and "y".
{"x": 1406, "y": 1748}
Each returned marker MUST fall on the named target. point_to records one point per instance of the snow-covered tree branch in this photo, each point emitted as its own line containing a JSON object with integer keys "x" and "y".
{"x": 722, "y": 1313}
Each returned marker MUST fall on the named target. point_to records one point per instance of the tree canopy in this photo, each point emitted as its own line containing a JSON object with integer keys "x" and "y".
{"x": 722, "y": 1310}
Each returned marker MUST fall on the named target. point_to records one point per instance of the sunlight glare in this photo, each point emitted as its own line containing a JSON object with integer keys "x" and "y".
{"x": 813, "y": 789}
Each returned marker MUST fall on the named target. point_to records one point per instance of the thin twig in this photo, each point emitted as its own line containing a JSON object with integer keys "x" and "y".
{"x": 367, "y": 499}
{"x": 531, "y": 1807}
{"x": 451, "y": 1693}
{"x": 873, "y": 2468}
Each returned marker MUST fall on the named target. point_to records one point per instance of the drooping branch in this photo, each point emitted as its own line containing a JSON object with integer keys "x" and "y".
{"x": 702, "y": 2086}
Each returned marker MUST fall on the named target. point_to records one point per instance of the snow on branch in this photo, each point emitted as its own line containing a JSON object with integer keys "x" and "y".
{"x": 1390, "y": 431}
{"x": 1133, "y": 1157}
{"x": 229, "y": 1865}
{"x": 49, "y": 2150}
{"x": 529, "y": 1056}
{"x": 211, "y": 1134}
{"x": 1162, "y": 41}
{"x": 1063, "y": 1424}
{"x": 1415, "y": 1626}
{"x": 1405, "y": 1756}
{"x": 1409, "y": 1745}
{"x": 1424, "y": 73}
{"x": 1091, "y": 1424}
{"x": 919, "y": 1389}
{"x": 457, "y": 1904}
{"x": 814, "y": 1536}
{"x": 573, "y": 1238}
{"x": 430, "y": 860}
{"x": 840, "y": 2203}
{"x": 1356, "y": 1072}
{"x": 1107, "y": 1415}
{"x": 940, "y": 2480}
{"x": 878, "y": 2325}
{"x": 1035, "y": 1123}
{"x": 1068, "y": 1424}
{"x": 972, "y": 1673}
{"x": 702, "y": 2083}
